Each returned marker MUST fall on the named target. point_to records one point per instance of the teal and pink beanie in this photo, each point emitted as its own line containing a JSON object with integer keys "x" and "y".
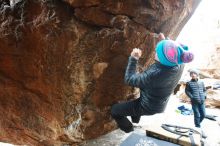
{"x": 171, "y": 53}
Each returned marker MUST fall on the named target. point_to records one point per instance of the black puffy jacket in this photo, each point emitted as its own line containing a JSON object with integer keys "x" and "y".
{"x": 196, "y": 91}
{"x": 156, "y": 83}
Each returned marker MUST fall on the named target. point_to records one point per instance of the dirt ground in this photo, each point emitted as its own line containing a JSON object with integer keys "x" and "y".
{"x": 170, "y": 116}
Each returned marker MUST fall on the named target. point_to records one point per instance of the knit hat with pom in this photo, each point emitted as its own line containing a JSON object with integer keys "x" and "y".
{"x": 171, "y": 53}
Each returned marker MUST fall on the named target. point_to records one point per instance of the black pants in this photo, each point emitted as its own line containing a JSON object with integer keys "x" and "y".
{"x": 131, "y": 108}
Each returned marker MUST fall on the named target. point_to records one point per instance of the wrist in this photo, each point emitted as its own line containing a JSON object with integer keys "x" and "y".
{"x": 135, "y": 57}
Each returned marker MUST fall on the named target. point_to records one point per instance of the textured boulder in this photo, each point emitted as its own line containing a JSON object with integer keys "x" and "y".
{"x": 62, "y": 63}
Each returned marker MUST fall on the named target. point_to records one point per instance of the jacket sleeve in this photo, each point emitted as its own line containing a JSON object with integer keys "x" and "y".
{"x": 131, "y": 77}
{"x": 187, "y": 91}
{"x": 204, "y": 90}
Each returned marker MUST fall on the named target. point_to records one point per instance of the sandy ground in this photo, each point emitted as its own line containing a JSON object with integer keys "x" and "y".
{"x": 170, "y": 116}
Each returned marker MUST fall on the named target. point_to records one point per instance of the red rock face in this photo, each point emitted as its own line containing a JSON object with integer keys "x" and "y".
{"x": 62, "y": 63}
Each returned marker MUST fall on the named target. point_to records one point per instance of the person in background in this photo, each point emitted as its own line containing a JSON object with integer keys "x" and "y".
{"x": 156, "y": 83}
{"x": 196, "y": 91}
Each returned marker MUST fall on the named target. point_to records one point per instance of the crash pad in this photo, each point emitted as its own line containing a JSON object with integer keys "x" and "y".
{"x": 158, "y": 132}
{"x": 138, "y": 139}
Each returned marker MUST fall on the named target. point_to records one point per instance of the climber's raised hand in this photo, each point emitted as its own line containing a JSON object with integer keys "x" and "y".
{"x": 136, "y": 53}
